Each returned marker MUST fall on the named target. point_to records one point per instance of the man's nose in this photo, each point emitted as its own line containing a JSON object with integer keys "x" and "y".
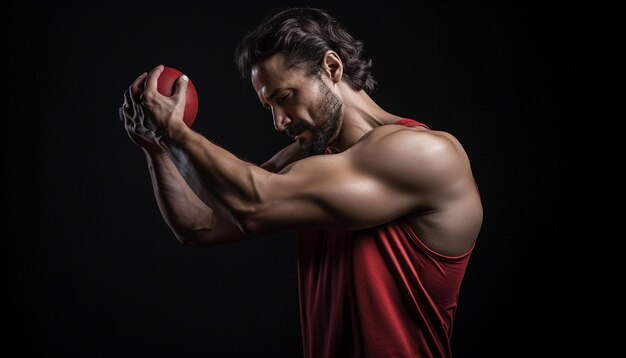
{"x": 281, "y": 119}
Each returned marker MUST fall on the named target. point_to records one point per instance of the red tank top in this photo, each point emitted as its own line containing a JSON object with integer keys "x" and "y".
{"x": 377, "y": 292}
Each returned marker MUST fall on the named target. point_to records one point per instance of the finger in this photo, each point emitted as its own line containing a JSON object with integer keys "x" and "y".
{"x": 129, "y": 104}
{"x": 131, "y": 96}
{"x": 153, "y": 78}
{"x": 142, "y": 120}
{"x": 182, "y": 83}
{"x": 126, "y": 105}
{"x": 128, "y": 122}
{"x": 140, "y": 117}
{"x": 120, "y": 112}
{"x": 137, "y": 86}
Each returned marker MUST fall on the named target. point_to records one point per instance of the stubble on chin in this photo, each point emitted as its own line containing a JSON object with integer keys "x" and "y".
{"x": 331, "y": 117}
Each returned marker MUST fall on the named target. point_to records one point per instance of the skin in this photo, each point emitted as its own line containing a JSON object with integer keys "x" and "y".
{"x": 207, "y": 195}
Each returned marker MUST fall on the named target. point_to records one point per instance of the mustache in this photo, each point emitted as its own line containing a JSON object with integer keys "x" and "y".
{"x": 297, "y": 128}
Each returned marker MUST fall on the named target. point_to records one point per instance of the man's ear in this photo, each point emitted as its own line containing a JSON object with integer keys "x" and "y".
{"x": 332, "y": 66}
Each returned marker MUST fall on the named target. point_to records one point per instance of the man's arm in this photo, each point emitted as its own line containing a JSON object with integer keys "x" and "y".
{"x": 191, "y": 220}
{"x": 188, "y": 217}
{"x": 394, "y": 172}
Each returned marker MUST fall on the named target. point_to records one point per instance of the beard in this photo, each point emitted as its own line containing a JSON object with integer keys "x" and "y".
{"x": 329, "y": 120}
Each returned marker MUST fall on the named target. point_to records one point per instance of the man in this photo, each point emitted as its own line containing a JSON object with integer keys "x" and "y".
{"x": 387, "y": 210}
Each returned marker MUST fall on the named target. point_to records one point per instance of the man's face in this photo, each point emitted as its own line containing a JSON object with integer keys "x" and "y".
{"x": 302, "y": 106}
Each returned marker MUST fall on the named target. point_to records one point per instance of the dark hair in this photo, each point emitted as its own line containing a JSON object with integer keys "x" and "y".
{"x": 304, "y": 35}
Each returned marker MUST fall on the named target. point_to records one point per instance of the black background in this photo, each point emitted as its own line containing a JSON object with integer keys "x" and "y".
{"x": 93, "y": 270}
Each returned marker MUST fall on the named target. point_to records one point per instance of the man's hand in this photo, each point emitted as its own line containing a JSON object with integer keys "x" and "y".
{"x": 129, "y": 110}
{"x": 148, "y": 115}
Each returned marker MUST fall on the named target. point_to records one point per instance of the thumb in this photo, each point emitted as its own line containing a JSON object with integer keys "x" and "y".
{"x": 180, "y": 91}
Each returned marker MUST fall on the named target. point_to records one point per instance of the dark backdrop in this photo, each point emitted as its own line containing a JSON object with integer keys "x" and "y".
{"x": 92, "y": 270}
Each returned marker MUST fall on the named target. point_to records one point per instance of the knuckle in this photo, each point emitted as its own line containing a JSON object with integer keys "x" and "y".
{"x": 147, "y": 97}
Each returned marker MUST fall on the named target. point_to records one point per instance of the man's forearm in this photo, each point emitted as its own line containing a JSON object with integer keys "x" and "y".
{"x": 227, "y": 184}
{"x": 180, "y": 207}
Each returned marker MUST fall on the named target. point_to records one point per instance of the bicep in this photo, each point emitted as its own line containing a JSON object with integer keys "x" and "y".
{"x": 330, "y": 192}
{"x": 386, "y": 177}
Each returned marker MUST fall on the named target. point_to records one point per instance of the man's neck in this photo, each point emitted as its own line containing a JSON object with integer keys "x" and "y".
{"x": 360, "y": 115}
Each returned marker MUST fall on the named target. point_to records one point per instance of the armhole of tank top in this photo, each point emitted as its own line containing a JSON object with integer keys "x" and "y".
{"x": 407, "y": 228}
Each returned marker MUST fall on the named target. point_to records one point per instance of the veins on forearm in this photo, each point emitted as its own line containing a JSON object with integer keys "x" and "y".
{"x": 222, "y": 181}
{"x": 190, "y": 174}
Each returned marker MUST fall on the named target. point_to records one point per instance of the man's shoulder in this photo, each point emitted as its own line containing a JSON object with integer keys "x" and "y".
{"x": 411, "y": 156}
{"x": 399, "y": 140}
{"x": 417, "y": 160}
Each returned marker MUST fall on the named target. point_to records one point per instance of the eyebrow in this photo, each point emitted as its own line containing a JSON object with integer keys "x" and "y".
{"x": 273, "y": 94}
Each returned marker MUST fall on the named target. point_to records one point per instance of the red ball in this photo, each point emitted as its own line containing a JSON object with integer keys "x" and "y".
{"x": 166, "y": 85}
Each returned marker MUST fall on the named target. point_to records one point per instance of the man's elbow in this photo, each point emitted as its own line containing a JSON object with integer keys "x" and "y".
{"x": 191, "y": 238}
{"x": 250, "y": 226}
{"x": 203, "y": 236}
{"x": 249, "y": 222}
{"x": 218, "y": 233}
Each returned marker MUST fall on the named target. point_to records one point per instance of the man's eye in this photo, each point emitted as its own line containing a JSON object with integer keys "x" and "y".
{"x": 283, "y": 98}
